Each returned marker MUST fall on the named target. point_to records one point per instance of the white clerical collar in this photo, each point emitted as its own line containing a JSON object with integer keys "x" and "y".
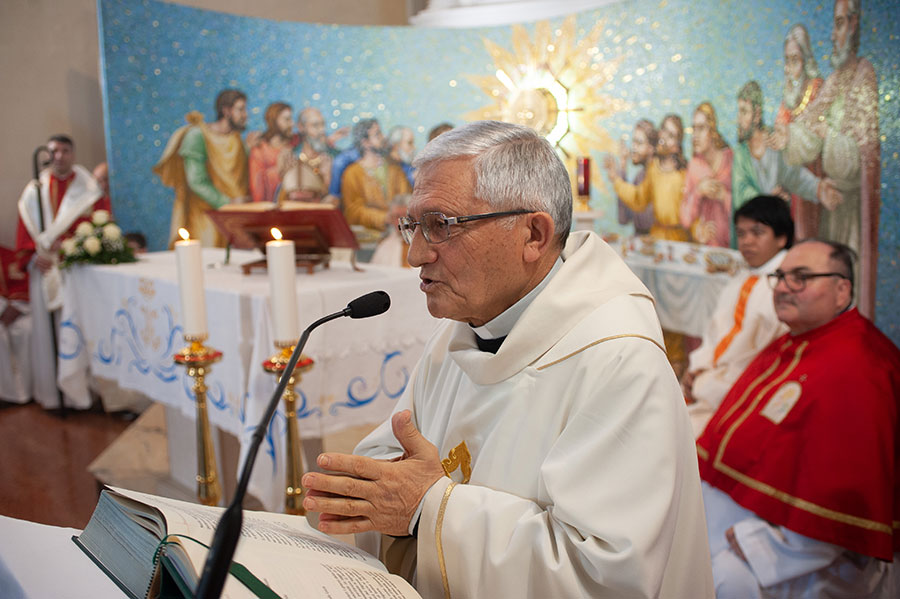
{"x": 501, "y": 325}
{"x": 770, "y": 266}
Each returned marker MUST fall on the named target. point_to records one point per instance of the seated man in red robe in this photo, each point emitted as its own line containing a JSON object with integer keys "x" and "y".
{"x": 800, "y": 462}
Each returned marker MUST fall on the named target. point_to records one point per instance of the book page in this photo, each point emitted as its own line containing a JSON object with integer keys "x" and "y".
{"x": 265, "y": 531}
{"x": 326, "y": 580}
{"x": 284, "y": 551}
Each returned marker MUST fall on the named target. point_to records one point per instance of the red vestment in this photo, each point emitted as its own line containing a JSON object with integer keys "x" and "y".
{"x": 807, "y": 438}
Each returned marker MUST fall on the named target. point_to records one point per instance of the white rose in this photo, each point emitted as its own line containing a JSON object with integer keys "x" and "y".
{"x": 92, "y": 246}
{"x": 69, "y": 246}
{"x": 111, "y": 232}
{"x": 100, "y": 217}
{"x": 84, "y": 229}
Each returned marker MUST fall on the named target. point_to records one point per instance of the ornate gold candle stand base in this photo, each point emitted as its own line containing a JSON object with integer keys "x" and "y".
{"x": 197, "y": 358}
{"x": 293, "y": 494}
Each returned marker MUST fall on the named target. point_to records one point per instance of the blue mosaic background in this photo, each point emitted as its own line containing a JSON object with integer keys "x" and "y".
{"x": 161, "y": 61}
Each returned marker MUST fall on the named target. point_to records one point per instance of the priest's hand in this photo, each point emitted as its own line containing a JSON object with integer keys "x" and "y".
{"x": 367, "y": 494}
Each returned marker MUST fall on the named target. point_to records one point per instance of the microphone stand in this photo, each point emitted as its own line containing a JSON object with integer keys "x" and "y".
{"x": 228, "y": 531}
{"x": 37, "y": 164}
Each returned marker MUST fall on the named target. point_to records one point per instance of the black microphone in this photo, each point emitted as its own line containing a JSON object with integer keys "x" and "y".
{"x": 228, "y": 530}
{"x": 370, "y": 304}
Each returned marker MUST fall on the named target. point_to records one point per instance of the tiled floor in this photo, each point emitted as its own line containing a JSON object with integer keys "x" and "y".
{"x": 44, "y": 459}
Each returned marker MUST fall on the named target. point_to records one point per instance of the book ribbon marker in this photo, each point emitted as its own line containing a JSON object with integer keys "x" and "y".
{"x": 239, "y": 571}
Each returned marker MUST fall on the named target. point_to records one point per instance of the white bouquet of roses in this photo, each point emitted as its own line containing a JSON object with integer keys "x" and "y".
{"x": 98, "y": 241}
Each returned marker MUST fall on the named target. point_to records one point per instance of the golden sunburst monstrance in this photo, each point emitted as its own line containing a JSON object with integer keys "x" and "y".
{"x": 553, "y": 85}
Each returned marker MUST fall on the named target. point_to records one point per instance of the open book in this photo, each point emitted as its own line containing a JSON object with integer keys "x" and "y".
{"x": 125, "y": 534}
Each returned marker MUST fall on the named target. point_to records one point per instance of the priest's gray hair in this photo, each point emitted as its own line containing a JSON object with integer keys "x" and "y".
{"x": 799, "y": 35}
{"x": 514, "y": 168}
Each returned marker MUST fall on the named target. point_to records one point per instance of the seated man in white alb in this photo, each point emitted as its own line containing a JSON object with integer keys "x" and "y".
{"x": 744, "y": 321}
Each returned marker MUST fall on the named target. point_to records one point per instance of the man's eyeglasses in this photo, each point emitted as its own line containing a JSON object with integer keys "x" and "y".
{"x": 436, "y": 225}
{"x": 795, "y": 280}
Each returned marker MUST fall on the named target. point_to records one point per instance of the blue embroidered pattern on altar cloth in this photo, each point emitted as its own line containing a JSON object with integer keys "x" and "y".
{"x": 124, "y": 328}
{"x": 124, "y": 338}
{"x": 66, "y": 327}
{"x": 356, "y": 401}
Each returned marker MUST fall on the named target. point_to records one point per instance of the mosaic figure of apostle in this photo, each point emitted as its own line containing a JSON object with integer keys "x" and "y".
{"x": 206, "y": 165}
{"x": 841, "y": 126}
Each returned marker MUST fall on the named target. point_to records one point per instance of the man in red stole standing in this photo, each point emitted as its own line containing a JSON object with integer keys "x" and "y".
{"x": 68, "y": 195}
{"x": 800, "y": 462}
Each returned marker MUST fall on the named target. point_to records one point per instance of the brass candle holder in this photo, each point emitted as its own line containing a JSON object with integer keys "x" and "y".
{"x": 197, "y": 358}
{"x": 293, "y": 494}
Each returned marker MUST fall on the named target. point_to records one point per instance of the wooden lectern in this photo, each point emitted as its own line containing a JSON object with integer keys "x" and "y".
{"x": 314, "y": 228}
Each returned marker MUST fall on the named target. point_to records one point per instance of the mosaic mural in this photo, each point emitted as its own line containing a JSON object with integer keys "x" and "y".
{"x": 713, "y": 102}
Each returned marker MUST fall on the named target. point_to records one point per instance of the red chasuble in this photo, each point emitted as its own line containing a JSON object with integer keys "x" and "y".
{"x": 807, "y": 438}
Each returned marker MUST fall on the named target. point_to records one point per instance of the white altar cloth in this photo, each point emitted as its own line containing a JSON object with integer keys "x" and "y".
{"x": 122, "y": 323}
{"x": 61, "y": 570}
{"x": 685, "y": 292}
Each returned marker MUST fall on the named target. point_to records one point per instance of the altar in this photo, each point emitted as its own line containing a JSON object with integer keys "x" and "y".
{"x": 122, "y": 323}
{"x": 685, "y": 279}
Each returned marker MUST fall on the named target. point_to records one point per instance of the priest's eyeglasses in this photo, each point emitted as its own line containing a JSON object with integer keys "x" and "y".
{"x": 436, "y": 225}
{"x": 795, "y": 280}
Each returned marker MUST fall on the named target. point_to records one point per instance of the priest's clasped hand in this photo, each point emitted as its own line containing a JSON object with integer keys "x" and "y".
{"x": 366, "y": 494}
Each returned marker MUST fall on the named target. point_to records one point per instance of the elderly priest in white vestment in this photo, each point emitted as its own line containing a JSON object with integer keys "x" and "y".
{"x": 542, "y": 447}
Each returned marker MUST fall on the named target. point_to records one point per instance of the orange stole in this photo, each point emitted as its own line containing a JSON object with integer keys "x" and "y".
{"x": 739, "y": 311}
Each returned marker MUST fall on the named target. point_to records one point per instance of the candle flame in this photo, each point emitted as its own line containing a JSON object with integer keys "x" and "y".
{"x": 276, "y": 234}
{"x": 184, "y": 233}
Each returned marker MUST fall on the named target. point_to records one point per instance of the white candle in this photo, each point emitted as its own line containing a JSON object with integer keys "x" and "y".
{"x": 282, "y": 288}
{"x": 189, "y": 259}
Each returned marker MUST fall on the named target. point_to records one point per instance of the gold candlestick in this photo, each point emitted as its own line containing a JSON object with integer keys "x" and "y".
{"x": 197, "y": 358}
{"x": 293, "y": 494}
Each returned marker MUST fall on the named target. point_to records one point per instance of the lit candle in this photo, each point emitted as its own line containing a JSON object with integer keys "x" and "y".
{"x": 584, "y": 176}
{"x": 189, "y": 259}
{"x": 282, "y": 287}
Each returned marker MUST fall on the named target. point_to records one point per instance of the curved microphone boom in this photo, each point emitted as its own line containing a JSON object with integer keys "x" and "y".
{"x": 228, "y": 530}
